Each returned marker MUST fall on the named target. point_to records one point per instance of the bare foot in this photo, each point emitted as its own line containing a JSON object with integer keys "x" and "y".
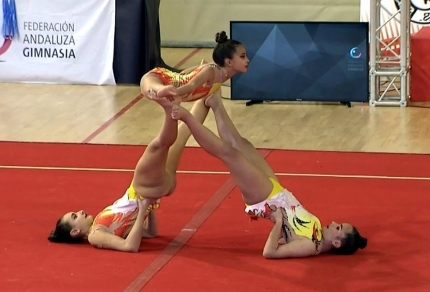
{"x": 164, "y": 102}
{"x": 178, "y": 112}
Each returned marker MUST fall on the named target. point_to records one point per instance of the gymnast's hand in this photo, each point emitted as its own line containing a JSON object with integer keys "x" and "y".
{"x": 277, "y": 216}
{"x": 146, "y": 203}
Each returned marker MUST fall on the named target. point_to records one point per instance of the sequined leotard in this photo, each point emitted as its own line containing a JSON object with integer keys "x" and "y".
{"x": 180, "y": 79}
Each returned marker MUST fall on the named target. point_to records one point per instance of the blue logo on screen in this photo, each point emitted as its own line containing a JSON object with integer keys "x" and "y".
{"x": 354, "y": 53}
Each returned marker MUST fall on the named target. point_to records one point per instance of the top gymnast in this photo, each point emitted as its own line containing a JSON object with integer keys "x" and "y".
{"x": 122, "y": 225}
{"x": 296, "y": 232}
{"x": 229, "y": 58}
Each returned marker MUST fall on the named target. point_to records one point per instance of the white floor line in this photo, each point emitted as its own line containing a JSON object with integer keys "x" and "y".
{"x": 358, "y": 176}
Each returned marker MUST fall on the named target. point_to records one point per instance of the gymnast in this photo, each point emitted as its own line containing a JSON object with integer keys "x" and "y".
{"x": 201, "y": 81}
{"x": 122, "y": 225}
{"x": 296, "y": 232}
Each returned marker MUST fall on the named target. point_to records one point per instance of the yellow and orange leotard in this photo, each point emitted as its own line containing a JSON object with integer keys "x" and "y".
{"x": 119, "y": 217}
{"x": 302, "y": 222}
{"x": 180, "y": 79}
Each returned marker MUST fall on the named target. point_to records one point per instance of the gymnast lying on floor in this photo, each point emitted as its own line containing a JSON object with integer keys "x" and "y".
{"x": 296, "y": 232}
{"x": 122, "y": 225}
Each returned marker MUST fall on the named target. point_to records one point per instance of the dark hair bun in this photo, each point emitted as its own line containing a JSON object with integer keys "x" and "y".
{"x": 362, "y": 242}
{"x": 221, "y": 37}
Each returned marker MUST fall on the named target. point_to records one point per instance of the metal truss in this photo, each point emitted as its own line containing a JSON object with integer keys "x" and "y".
{"x": 389, "y": 57}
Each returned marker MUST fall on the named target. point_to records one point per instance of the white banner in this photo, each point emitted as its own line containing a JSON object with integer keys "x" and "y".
{"x": 60, "y": 42}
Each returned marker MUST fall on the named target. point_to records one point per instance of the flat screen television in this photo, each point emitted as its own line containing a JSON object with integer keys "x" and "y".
{"x": 303, "y": 61}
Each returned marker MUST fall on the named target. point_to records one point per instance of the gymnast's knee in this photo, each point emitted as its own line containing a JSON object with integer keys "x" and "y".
{"x": 228, "y": 153}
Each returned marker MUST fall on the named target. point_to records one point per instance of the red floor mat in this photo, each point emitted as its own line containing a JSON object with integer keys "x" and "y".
{"x": 350, "y": 163}
{"x": 33, "y": 200}
{"x": 95, "y": 156}
{"x": 225, "y": 253}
